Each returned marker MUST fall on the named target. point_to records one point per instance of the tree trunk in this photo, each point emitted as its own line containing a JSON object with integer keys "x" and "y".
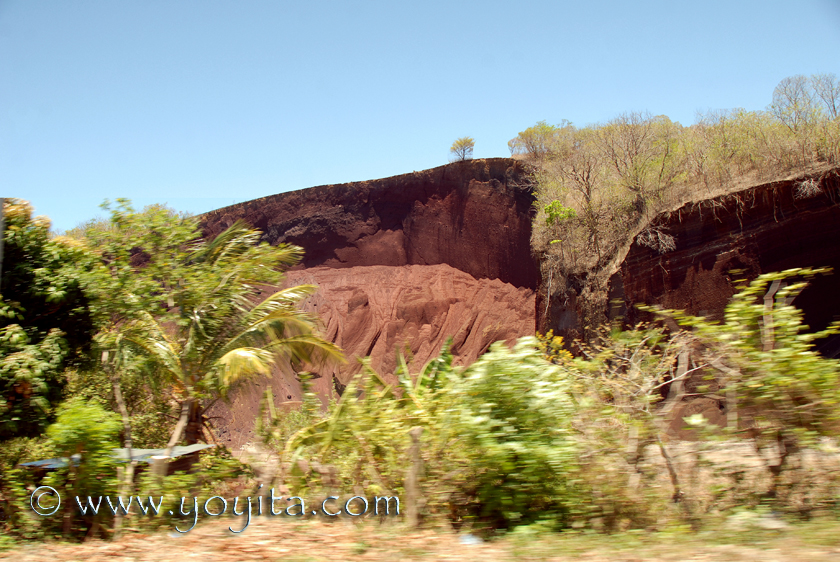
{"x": 160, "y": 464}
{"x": 193, "y": 432}
{"x": 412, "y": 477}
{"x": 127, "y": 484}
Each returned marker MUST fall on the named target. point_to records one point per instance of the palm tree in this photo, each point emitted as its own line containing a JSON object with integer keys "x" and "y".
{"x": 222, "y": 332}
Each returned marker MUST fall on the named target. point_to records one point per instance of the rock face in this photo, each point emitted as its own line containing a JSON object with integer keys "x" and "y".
{"x": 404, "y": 263}
{"x": 401, "y": 263}
{"x": 473, "y": 215}
{"x": 375, "y": 311}
{"x": 719, "y": 241}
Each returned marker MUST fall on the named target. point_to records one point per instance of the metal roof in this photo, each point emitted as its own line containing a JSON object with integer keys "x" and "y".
{"x": 121, "y": 455}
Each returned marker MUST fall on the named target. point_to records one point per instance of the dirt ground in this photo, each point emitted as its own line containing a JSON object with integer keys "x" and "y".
{"x": 316, "y": 539}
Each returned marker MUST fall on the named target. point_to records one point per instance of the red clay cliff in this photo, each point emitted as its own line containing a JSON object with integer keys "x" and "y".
{"x": 401, "y": 264}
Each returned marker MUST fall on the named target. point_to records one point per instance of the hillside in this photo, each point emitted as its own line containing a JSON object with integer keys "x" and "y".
{"x": 401, "y": 263}
{"x": 409, "y": 261}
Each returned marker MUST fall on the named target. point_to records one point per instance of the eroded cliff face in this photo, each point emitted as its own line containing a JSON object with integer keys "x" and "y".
{"x": 768, "y": 228}
{"x": 718, "y": 241}
{"x": 404, "y": 263}
{"x": 401, "y": 263}
{"x": 474, "y": 216}
{"x": 374, "y": 311}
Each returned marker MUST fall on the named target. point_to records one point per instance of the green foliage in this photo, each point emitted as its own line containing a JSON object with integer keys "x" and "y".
{"x": 151, "y": 264}
{"x": 82, "y": 429}
{"x": 148, "y": 404}
{"x": 496, "y": 445}
{"x": 515, "y": 420}
{"x": 366, "y": 437}
{"x": 186, "y": 310}
{"x": 43, "y": 278}
{"x": 14, "y": 480}
{"x": 462, "y": 149}
{"x": 556, "y": 213}
{"x": 31, "y": 380}
{"x": 45, "y": 324}
{"x": 536, "y": 142}
{"x": 770, "y": 362}
{"x": 86, "y": 429}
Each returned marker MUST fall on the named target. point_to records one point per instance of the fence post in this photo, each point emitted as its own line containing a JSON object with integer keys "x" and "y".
{"x": 412, "y": 478}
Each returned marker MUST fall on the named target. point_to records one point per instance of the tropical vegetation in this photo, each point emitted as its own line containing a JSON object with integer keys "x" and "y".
{"x": 125, "y": 331}
{"x": 162, "y": 321}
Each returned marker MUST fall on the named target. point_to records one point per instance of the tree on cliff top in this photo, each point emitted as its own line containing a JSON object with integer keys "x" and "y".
{"x": 462, "y": 149}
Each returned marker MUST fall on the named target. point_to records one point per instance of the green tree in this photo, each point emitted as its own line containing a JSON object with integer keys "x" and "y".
{"x": 45, "y": 319}
{"x": 192, "y": 308}
{"x": 462, "y": 149}
{"x": 538, "y": 141}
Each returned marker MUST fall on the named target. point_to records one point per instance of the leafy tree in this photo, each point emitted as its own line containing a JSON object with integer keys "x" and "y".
{"x": 538, "y": 141}
{"x": 462, "y": 149}
{"x": 45, "y": 319}
{"x": 556, "y": 213}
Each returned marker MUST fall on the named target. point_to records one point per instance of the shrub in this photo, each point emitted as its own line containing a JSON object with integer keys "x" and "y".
{"x": 515, "y": 419}
{"x": 496, "y": 446}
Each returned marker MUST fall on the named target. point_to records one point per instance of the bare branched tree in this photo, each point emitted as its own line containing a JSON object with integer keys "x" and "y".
{"x": 827, "y": 88}
{"x": 793, "y": 102}
{"x": 626, "y": 143}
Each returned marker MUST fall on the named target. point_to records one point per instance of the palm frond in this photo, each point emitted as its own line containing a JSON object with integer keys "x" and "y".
{"x": 284, "y": 298}
{"x": 308, "y": 348}
{"x": 235, "y": 239}
{"x": 148, "y": 335}
{"x": 274, "y": 323}
{"x": 241, "y": 363}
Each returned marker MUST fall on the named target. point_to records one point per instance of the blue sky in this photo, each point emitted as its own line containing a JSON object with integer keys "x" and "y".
{"x": 202, "y": 103}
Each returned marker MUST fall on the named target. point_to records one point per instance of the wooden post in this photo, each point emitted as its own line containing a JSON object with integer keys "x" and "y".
{"x": 412, "y": 478}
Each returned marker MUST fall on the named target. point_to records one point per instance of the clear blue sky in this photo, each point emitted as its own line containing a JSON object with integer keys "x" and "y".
{"x": 202, "y": 103}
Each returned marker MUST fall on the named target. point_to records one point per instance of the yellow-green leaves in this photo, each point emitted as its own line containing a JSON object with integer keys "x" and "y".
{"x": 242, "y": 362}
{"x": 462, "y": 148}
